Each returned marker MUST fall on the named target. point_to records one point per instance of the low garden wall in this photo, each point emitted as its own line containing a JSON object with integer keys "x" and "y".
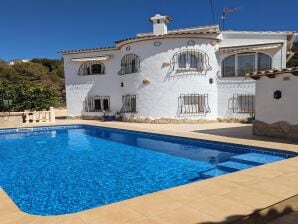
{"x": 280, "y": 129}
{"x": 13, "y": 119}
{"x": 17, "y": 119}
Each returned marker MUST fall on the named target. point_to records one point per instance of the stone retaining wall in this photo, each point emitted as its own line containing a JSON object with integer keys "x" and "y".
{"x": 134, "y": 119}
{"x": 280, "y": 129}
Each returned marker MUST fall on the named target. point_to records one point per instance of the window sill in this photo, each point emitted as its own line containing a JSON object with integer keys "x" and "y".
{"x": 93, "y": 74}
{"x": 130, "y": 73}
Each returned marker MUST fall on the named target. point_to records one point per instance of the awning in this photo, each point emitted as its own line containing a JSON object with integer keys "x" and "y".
{"x": 97, "y": 58}
{"x": 249, "y": 48}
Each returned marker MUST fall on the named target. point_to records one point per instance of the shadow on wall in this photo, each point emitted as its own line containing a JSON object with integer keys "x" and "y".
{"x": 261, "y": 217}
{"x": 243, "y": 133}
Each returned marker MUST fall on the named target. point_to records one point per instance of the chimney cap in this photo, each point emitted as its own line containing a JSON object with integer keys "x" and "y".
{"x": 158, "y": 16}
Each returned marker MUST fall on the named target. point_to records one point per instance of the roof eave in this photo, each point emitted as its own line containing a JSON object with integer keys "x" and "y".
{"x": 272, "y": 73}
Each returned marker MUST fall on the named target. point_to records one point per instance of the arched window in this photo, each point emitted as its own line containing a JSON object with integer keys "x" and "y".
{"x": 92, "y": 68}
{"x": 130, "y": 63}
{"x": 241, "y": 64}
{"x": 190, "y": 60}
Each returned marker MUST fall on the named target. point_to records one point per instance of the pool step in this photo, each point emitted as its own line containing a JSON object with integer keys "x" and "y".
{"x": 212, "y": 173}
{"x": 231, "y": 166}
{"x": 255, "y": 159}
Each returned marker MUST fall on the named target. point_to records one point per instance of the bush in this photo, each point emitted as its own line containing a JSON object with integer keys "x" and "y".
{"x": 26, "y": 96}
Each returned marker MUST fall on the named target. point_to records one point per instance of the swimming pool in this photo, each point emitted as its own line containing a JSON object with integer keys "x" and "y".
{"x": 65, "y": 169}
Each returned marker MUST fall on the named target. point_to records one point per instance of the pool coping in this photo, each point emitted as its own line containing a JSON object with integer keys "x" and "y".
{"x": 232, "y": 197}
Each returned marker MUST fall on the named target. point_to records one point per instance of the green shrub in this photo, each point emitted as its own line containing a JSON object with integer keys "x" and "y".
{"x": 26, "y": 96}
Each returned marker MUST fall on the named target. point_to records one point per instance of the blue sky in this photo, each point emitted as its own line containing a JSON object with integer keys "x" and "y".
{"x": 41, "y": 28}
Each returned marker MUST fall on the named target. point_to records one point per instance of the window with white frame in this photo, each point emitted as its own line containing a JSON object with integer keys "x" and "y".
{"x": 97, "y": 104}
{"x": 92, "y": 68}
{"x": 244, "y": 103}
{"x": 241, "y": 64}
{"x": 190, "y": 60}
{"x": 193, "y": 104}
{"x": 129, "y": 104}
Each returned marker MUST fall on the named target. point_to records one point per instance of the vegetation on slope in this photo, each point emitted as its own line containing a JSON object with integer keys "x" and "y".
{"x": 39, "y": 80}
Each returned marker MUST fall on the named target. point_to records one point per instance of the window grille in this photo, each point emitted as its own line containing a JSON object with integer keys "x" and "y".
{"x": 190, "y": 60}
{"x": 130, "y": 63}
{"x": 243, "y": 103}
{"x": 92, "y": 68}
{"x": 97, "y": 104}
{"x": 193, "y": 104}
{"x": 129, "y": 104}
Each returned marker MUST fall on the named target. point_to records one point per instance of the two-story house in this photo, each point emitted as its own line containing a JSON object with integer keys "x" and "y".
{"x": 190, "y": 73}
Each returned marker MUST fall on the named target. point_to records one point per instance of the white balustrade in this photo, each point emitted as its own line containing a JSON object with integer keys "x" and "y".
{"x": 39, "y": 116}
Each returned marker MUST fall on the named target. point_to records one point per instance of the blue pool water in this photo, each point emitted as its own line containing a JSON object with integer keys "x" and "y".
{"x": 59, "y": 170}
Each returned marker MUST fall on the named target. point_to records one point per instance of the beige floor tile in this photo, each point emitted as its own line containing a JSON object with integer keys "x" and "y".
{"x": 114, "y": 213}
{"x": 70, "y": 219}
{"x": 183, "y": 215}
{"x": 214, "y": 187}
{"x": 146, "y": 221}
{"x": 221, "y": 207}
{"x": 45, "y": 220}
{"x": 289, "y": 179}
{"x": 283, "y": 167}
{"x": 18, "y": 218}
{"x": 241, "y": 178}
{"x": 261, "y": 172}
{"x": 253, "y": 198}
{"x": 270, "y": 187}
{"x": 152, "y": 204}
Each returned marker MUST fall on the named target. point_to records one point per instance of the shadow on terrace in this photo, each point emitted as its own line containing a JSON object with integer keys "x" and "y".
{"x": 243, "y": 133}
{"x": 288, "y": 215}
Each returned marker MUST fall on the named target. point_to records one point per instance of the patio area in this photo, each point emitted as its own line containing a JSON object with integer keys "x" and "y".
{"x": 256, "y": 195}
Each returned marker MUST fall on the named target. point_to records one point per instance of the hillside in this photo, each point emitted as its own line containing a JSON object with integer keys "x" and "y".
{"x": 41, "y": 71}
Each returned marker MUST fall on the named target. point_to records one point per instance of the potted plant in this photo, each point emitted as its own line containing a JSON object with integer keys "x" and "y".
{"x": 251, "y": 119}
{"x": 107, "y": 117}
{"x": 118, "y": 116}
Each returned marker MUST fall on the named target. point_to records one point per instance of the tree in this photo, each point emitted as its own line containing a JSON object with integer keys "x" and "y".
{"x": 26, "y": 96}
{"x": 48, "y": 73}
{"x": 294, "y": 60}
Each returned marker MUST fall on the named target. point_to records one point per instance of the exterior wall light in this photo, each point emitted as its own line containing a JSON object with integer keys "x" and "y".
{"x": 277, "y": 94}
{"x": 210, "y": 80}
{"x": 122, "y": 84}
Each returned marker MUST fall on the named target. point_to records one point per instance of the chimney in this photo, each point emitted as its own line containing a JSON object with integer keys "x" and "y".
{"x": 160, "y": 24}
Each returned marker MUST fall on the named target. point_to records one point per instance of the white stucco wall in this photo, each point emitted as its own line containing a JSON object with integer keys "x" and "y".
{"x": 271, "y": 110}
{"x": 227, "y": 87}
{"x": 79, "y": 87}
{"x": 159, "y": 99}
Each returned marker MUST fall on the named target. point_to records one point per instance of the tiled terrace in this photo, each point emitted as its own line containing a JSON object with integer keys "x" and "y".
{"x": 247, "y": 196}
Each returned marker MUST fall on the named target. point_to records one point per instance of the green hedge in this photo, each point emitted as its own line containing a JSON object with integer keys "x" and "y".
{"x": 26, "y": 96}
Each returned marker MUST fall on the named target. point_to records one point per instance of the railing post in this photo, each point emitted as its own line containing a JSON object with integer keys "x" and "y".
{"x": 26, "y": 117}
{"x": 34, "y": 117}
{"x": 52, "y": 115}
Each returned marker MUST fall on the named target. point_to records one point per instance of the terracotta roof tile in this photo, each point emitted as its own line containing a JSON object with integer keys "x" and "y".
{"x": 166, "y": 35}
{"x": 88, "y": 50}
{"x": 272, "y": 73}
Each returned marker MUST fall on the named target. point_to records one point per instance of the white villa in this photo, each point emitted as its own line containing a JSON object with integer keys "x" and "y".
{"x": 189, "y": 73}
